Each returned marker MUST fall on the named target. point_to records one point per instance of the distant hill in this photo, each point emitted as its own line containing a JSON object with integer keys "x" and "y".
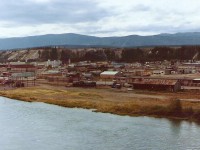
{"x": 76, "y": 40}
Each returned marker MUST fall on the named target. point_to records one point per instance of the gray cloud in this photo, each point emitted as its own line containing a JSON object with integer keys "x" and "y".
{"x": 98, "y": 17}
{"x": 27, "y": 12}
{"x": 141, "y": 7}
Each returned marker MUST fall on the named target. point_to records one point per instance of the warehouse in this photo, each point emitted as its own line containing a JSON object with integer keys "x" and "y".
{"x": 156, "y": 84}
{"x": 109, "y": 74}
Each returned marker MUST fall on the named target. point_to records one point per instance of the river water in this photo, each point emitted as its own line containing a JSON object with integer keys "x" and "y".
{"x": 38, "y": 126}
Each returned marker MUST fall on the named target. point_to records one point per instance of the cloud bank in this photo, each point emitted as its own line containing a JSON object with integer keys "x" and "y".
{"x": 98, "y": 17}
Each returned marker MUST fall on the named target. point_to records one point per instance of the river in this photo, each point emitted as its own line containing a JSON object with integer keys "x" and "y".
{"x": 39, "y": 126}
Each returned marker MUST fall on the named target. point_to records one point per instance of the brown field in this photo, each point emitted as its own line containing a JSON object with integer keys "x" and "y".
{"x": 121, "y": 102}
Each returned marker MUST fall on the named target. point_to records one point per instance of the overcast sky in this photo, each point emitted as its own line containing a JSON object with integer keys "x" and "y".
{"x": 98, "y": 17}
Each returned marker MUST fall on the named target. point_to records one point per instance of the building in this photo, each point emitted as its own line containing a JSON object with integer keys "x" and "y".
{"x": 158, "y": 72}
{"x": 156, "y": 84}
{"x": 17, "y": 68}
{"x": 186, "y": 70}
{"x": 50, "y": 73}
{"x": 54, "y": 63}
{"x": 87, "y": 76}
{"x": 196, "y": 80}
{"x": 110, "y": 74}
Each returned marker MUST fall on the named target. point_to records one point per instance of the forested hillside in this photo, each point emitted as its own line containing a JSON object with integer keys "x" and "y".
{"x": 103, "y": 54}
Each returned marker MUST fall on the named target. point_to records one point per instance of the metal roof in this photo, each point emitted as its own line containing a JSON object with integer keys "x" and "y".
{"x": 51, "y": 72}
{"x": 23, "y": 74}
{"x": 198, "y": 79}
{"x": 109, "y": 72}
{"x": 155, "y": 81}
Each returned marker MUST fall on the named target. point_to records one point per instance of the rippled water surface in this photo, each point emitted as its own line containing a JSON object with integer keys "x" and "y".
{"x": 38, "y": 126}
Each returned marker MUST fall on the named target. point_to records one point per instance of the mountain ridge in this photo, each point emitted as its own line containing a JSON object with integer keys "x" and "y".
{"x": 67, "y": 39}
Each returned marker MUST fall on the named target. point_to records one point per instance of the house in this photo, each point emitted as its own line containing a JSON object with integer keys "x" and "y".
{"x": 96, "y": 73}
{"x": 39, "y": 65}
{"x": 186, "y": 70}
{"x": 54, "y": 63}
{"x": 87, "y": 76}
{"x": 6, "y": 74}
{"x": 158, "y": 72}
{"x": 118, "y": 65}
{"x": 168, "y": 71}
{"x": 142, "y": 72}
{"x": 73, "y": 76}
{"x": 129, "y": 73}
{"x": 139, "y": 72}
{"x": 18, "y": 67}
{"x": 3, "y": 80}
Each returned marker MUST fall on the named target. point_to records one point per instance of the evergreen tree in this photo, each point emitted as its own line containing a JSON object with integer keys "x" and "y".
{"x": 64, "y": 56}
{"x": 110, "y": 54}
{"x": 53, "y": 54}
{"x": 132, "y": 55}
{"x": 45, "y": 55}
{"x": 39, "y": 53}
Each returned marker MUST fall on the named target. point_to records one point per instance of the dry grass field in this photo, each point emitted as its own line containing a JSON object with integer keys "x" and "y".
{"x": 121, "y": 102}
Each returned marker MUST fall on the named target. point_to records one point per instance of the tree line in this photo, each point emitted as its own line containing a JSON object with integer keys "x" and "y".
{"x": 122, "y": 55}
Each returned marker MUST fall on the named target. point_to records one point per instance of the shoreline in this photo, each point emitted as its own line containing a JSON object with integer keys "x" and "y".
{"x": 150, "y": 104}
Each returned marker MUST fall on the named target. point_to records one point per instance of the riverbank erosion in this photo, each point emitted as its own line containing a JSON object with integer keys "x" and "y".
{"x": 181, "y": 105}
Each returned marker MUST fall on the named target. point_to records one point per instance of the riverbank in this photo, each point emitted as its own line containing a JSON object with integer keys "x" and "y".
{"x": 120, "y": 102}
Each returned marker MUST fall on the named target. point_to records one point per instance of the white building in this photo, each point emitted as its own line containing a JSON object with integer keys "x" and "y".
{"x": 109, "y": 74}
{"x": 54, "y": 63}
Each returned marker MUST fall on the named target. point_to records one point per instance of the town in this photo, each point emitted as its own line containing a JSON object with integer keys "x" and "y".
{"x": 163, "y": 75}
{"x": 100, "y": 75}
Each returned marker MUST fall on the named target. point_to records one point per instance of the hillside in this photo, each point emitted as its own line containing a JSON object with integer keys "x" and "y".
{"x": 74, "y": 40}
{"x": 102, "y": 54}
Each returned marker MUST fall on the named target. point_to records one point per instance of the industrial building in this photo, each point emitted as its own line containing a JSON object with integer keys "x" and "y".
{"x": 157, "y": 84}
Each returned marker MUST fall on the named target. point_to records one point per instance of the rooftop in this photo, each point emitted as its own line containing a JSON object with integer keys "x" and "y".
{"x": 155, "y": 81}
{"x": 109, "y": 72}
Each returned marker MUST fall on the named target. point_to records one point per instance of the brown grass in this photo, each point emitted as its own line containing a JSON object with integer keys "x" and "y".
{"x": 110, "y": 101}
